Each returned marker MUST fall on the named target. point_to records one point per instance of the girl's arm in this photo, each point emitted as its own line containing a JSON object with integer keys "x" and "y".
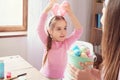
{"x": 78, "y": 28}
{"x": 73, "y": 18}
{"x": 49, "y": 6}
{"x": 41, "y": 31}
{"x": 41, "y": 26}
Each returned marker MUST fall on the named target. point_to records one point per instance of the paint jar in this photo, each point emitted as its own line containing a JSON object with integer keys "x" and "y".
{"x": 1, "y": 69}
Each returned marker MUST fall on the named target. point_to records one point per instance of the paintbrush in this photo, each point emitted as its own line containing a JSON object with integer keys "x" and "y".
{"x": 17, "y": 76}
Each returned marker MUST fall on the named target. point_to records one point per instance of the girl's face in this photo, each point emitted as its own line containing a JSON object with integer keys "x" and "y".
{"x": 59, "y": 32}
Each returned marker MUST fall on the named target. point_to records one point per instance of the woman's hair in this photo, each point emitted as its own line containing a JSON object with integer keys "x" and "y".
{"x": 51, "y": 25}
{"x": 111, "y": 41}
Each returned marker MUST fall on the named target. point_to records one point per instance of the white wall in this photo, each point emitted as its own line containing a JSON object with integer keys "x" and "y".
{"x": 13, "y": 46}
{"x": 35, "y": 49}
{"x": 82, "y": 9}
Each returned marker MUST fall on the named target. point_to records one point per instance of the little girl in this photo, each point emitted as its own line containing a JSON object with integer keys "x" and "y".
{"x": 55, "y": 41}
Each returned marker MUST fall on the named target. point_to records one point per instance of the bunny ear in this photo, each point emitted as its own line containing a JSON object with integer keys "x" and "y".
{"x": 63, "y": 12}
{"x": 58, "y": 9}
{"x": 55, "y": 9}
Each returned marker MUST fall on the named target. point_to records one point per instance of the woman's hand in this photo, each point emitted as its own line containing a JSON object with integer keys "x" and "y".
{"x": 50, "y": 5}
{"x": 86, "y": 74}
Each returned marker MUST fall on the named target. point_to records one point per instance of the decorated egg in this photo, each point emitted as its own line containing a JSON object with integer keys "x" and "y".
{"x": 84, "y": 55}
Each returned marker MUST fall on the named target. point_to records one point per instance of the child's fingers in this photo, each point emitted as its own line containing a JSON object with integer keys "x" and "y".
{"x": 53, "y": 1}
{"x": 51, "y": 4}
{"x": 66, "y": 7}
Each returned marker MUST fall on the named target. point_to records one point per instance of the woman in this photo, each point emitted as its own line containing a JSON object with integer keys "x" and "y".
{"x": 110, "y": 46}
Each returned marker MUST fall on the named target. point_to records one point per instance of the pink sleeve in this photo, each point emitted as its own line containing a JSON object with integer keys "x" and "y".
{"x": 41, "y": 28}
{"x": 74, "y": 36}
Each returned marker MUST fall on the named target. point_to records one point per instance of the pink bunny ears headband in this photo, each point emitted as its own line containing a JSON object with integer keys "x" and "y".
{"x": 58, "y": 9}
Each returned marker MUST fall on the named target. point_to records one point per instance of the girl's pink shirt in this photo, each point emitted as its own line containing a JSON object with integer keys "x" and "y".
{"x": 57, "y": 57}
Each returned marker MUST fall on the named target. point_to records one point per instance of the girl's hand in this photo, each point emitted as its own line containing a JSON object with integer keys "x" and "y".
{"x": 50, "y": 5}
{"x": 67, "y": 8}
{"x": 73, "y": 18}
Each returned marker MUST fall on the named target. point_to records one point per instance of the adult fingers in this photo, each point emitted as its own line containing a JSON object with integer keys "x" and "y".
{"x": 86, "y": 65}
{"x": 73, "y": 70}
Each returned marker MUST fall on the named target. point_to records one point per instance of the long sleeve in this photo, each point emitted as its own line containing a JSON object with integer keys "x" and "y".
{"x": 74, "y": 36}
{"x": 41, "y": 28}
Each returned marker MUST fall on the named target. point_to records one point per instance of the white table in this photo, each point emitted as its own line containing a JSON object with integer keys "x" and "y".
{"x": 17, "y": 65}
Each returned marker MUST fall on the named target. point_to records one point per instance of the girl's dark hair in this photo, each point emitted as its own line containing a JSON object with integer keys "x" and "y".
{"x": 111, "y": 41}
{"x": 49, "y": 39}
